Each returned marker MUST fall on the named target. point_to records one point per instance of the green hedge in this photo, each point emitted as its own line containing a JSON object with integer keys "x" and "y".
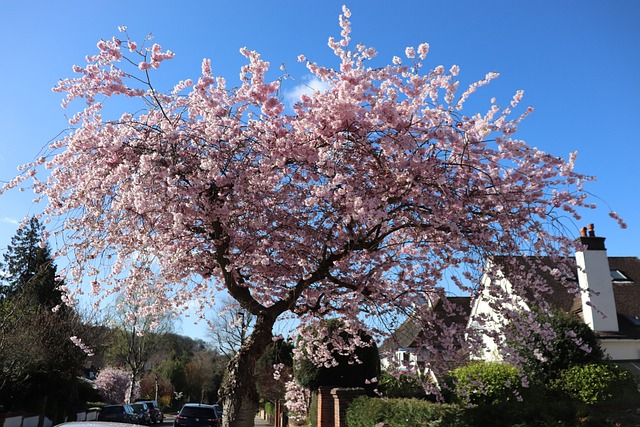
{"x": 367, "y": 412}
{"x": 402, "y": 386}
{"x": 269, "y": 408}
{"x": 484, "y": 383}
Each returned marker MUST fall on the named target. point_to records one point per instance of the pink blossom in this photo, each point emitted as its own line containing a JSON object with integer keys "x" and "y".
{"x": 78, "y": 342}
{"x": 410, "y": 52}
{"x": 423, "y": 50}
{"x": 620, "y": 221}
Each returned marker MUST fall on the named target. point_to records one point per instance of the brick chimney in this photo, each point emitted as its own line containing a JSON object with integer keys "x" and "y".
{"x": 598, "y": 303}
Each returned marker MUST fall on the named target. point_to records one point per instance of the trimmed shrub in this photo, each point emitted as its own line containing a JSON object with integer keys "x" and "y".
{"x": 269, "y": 408}
{"x": 346, "y": 373}
{"x": 402, "y": 386}
{"x": 594, "y": 382}
{"x": 367, "y": 412}
{"x": 485, "y": 383}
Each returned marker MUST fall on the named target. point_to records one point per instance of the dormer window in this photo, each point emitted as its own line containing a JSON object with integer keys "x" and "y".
{"x": 618, "y": 276}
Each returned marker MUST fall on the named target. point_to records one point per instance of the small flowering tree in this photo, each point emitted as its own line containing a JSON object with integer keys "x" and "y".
{"x": 114, "y": 385}
{"x": 297, "y": 400}
{"x": 357, "y": 204}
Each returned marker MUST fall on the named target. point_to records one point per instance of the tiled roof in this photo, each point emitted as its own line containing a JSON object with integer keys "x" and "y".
{"x": 410, "y": 330}
{"x": 626, "y": 294}
{"x": 558, "y": 296}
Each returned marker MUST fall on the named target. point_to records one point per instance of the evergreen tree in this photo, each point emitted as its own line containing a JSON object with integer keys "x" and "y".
{"x": 29, "y": 269}
{"x": 39, "y": 363}
{"x": 355, "y": 365}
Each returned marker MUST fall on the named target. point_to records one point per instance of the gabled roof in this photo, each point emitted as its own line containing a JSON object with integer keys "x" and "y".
{"x": 626, "y": 294}
{"x": 558, "y": 296}
{"x": 409, "y": 332}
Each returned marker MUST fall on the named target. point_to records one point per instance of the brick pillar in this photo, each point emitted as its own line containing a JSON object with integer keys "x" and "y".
{"x": 342, "y": 398}
{"x": 326, "y": 413}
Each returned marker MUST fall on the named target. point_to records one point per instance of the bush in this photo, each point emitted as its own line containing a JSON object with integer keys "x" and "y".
{"x": 346, "y": 373}
{"x": 543, "y": 364}
{"x": 269, "y": 408}
{"x": 594, "y": 382}
{"x": 484, "y": 383}
{"x": 402, "y": 386}
{"x": 367, "y": 412}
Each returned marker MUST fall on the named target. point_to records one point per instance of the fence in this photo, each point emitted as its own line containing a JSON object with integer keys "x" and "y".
{"x": 37, "y": 421}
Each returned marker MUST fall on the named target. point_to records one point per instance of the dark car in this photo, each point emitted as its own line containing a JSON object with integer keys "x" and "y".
{"x": 198, "y": 415}
{"x": 156, "y": 413}
{"x": 118, "y": 413}
{"x": 218, "y": 408}
{"x": 143, "y": 412}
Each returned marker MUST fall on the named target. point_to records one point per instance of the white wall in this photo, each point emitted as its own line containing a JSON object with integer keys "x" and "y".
{"x": 621, "y": 349}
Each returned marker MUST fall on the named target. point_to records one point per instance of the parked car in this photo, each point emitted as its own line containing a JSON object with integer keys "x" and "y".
{"x": 218, "y": 408}
{"x": 143, "y": 412}
{"x": 198, "y": 415}
{"x": 118, "y": 413}
{"x": 91, "y": 424}
{"x": 156, "y": 413}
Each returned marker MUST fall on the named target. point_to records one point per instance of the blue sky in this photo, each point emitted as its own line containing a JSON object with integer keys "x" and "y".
{"x": 578, "y": 62}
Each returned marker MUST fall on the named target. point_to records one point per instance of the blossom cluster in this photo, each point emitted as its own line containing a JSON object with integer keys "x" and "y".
{"x": 297, "y": 399}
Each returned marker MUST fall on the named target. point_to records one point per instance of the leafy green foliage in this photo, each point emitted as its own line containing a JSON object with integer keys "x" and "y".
{"x": 400, "y": 387}
{"x": 485, "y": 383}
{"x": 575, "y": 344}
{"x": 29, "y": 269}
{"x": 594, "y": 382}
{"x": 366, "y": 412}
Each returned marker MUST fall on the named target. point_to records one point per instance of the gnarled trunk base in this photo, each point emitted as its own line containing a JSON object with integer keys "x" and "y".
{"x": 238, "y": 393}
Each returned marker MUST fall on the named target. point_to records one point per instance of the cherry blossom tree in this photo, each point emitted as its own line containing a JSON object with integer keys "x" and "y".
{"x": 134, "y": 341}
{"x": 358, "y": 203}
{"x": 114, "y": 384}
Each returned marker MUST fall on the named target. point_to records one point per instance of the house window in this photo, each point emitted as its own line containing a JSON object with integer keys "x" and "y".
{"x": 618, "y": 276}
{"x": 403, "y": 355}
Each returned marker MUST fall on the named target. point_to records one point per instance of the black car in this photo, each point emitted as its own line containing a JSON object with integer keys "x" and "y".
{"x": 198, "y": 415}
{"x": 118, "y": 413}
{"x": 156, "y": 413}
{"x": 143, "y": 412}
{"x": 218, "y": 408}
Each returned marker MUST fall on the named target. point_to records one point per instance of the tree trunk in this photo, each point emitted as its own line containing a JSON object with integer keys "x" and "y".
{"x": 132, "y": 385}
{"x": 238, "y": 392}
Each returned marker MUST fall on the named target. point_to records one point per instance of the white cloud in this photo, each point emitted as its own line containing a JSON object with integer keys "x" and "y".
{"x": 309, "y": 85}
{"x": 8, "y": 220}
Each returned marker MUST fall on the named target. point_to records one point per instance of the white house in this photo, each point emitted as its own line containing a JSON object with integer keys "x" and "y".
{"x": 608, "y": 301}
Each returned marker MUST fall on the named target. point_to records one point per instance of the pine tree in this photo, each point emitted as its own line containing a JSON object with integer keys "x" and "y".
{"x": 39, "y": 363}
{"x": 29, "y": 269}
